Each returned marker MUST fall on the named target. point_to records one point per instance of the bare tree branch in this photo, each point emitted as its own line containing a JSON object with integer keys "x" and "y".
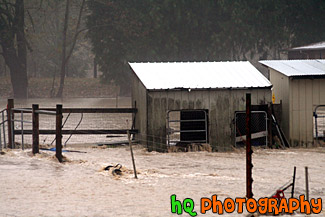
{"x": 76, "y": 31}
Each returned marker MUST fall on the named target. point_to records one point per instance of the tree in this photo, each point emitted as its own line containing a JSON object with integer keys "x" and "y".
{"x": 123, "y": 31}
{"x": 65, "y": 58}
{"x": 14, "y": 44}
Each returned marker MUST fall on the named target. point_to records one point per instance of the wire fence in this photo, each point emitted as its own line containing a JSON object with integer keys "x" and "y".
{"x": 76, "y": 121}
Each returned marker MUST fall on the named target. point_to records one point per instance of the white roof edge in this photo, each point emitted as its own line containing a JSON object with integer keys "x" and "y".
{"x": 292, "y": 68}
{"x": 313, "y": 46}
{"x": 199, "y": 75}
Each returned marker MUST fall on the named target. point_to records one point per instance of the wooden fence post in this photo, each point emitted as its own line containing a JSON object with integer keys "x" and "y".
{"x": 249, "y": 152}
{"x": 35, "y": 128}
{"x": 59, "y": 132}
{"x": 10, "y": 115}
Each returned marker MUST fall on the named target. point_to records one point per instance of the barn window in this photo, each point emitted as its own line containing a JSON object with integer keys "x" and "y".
{"x": 187, "y": 126}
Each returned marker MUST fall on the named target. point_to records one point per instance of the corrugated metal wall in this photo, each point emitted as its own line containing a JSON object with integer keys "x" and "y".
{"x": 299, "y": 99}
{"x": 305, "y": 95}
{"x": 221, "y": 104}
{"x": 281, "y": 93}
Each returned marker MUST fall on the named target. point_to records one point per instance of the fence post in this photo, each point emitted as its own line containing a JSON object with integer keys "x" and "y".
{"x": 58, "y": 132}
{"x": 10, "y": 116}
{"x": 307, "y": 183}
{"x": 22, "y": 129}
{"x": 35, "y": 128}
{"x": 249, "y": 152}
{"x": 4, "y": 130}
{"x": 131, "y": 150}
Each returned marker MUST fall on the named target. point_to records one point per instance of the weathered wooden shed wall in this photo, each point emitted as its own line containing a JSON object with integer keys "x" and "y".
{"x": 221, "y": 104}
{"x": 139, "y": 101}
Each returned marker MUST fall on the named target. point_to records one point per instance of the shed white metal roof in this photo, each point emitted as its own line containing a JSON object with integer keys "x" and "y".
{"x": 297, "y": 67}
{"x": 174, "y": 75}
{"x": 314, "y": 46}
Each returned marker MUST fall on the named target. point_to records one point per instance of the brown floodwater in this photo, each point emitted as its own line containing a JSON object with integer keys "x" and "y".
{"x": 40, "y": 186}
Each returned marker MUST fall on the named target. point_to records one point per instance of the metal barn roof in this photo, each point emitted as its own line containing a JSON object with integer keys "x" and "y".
{"x": 174, "y": 75}
{"x": 297, "y": 67}
{"x": 314, "y": 46}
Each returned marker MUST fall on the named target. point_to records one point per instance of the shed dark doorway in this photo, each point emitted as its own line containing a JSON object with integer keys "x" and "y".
{"x": 194, "y": 126}
{"x": 189, "y": 126}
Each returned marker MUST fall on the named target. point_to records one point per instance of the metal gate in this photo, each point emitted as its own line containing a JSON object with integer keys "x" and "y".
{"x": 258, "y": 128}
{"x": 189, "y": 126}
{"x": 319, "y": 123}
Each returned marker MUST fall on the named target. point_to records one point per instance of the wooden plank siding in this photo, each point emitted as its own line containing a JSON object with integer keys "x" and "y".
{"x": 220, "y": 103}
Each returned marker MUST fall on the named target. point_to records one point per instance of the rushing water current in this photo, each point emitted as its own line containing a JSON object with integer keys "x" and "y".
{"x": 40, "y": 186}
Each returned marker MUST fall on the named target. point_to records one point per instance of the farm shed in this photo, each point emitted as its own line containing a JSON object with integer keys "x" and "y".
{"x": 198, "y": 98}
{"x": 300, "y": 85}
{"x": 311, "y": 51}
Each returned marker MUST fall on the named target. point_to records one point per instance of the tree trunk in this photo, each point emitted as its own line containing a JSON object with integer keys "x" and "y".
{"x": 21, "y": 92}
{"x": 16, "y": 58}
{"x": 65, "y": 58}
{"x": 64, "y": 43}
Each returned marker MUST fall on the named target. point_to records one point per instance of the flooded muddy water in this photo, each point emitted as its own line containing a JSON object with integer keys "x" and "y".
{"x": 40, "y": 186}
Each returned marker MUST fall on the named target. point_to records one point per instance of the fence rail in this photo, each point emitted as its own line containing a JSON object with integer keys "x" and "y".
{"x": 36, "y": 111}
{"x": 82, "y": 110}
{"x": 67, "y": 132}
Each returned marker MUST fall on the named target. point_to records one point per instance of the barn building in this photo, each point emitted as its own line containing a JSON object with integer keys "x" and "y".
{"x": 311, "y": 51}
{"x": 300, "y": 85}
{"x": 193, "y": 101}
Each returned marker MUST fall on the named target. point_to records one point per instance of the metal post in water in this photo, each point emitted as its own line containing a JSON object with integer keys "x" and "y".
{"x": 4, "y": 130}
{"x": 22, "y": 129}
{"x": 131, "y": 150}
{"x": 35, "y": 129}
{"x": 249, "y": 152}
{"x": 307, "y": 184}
